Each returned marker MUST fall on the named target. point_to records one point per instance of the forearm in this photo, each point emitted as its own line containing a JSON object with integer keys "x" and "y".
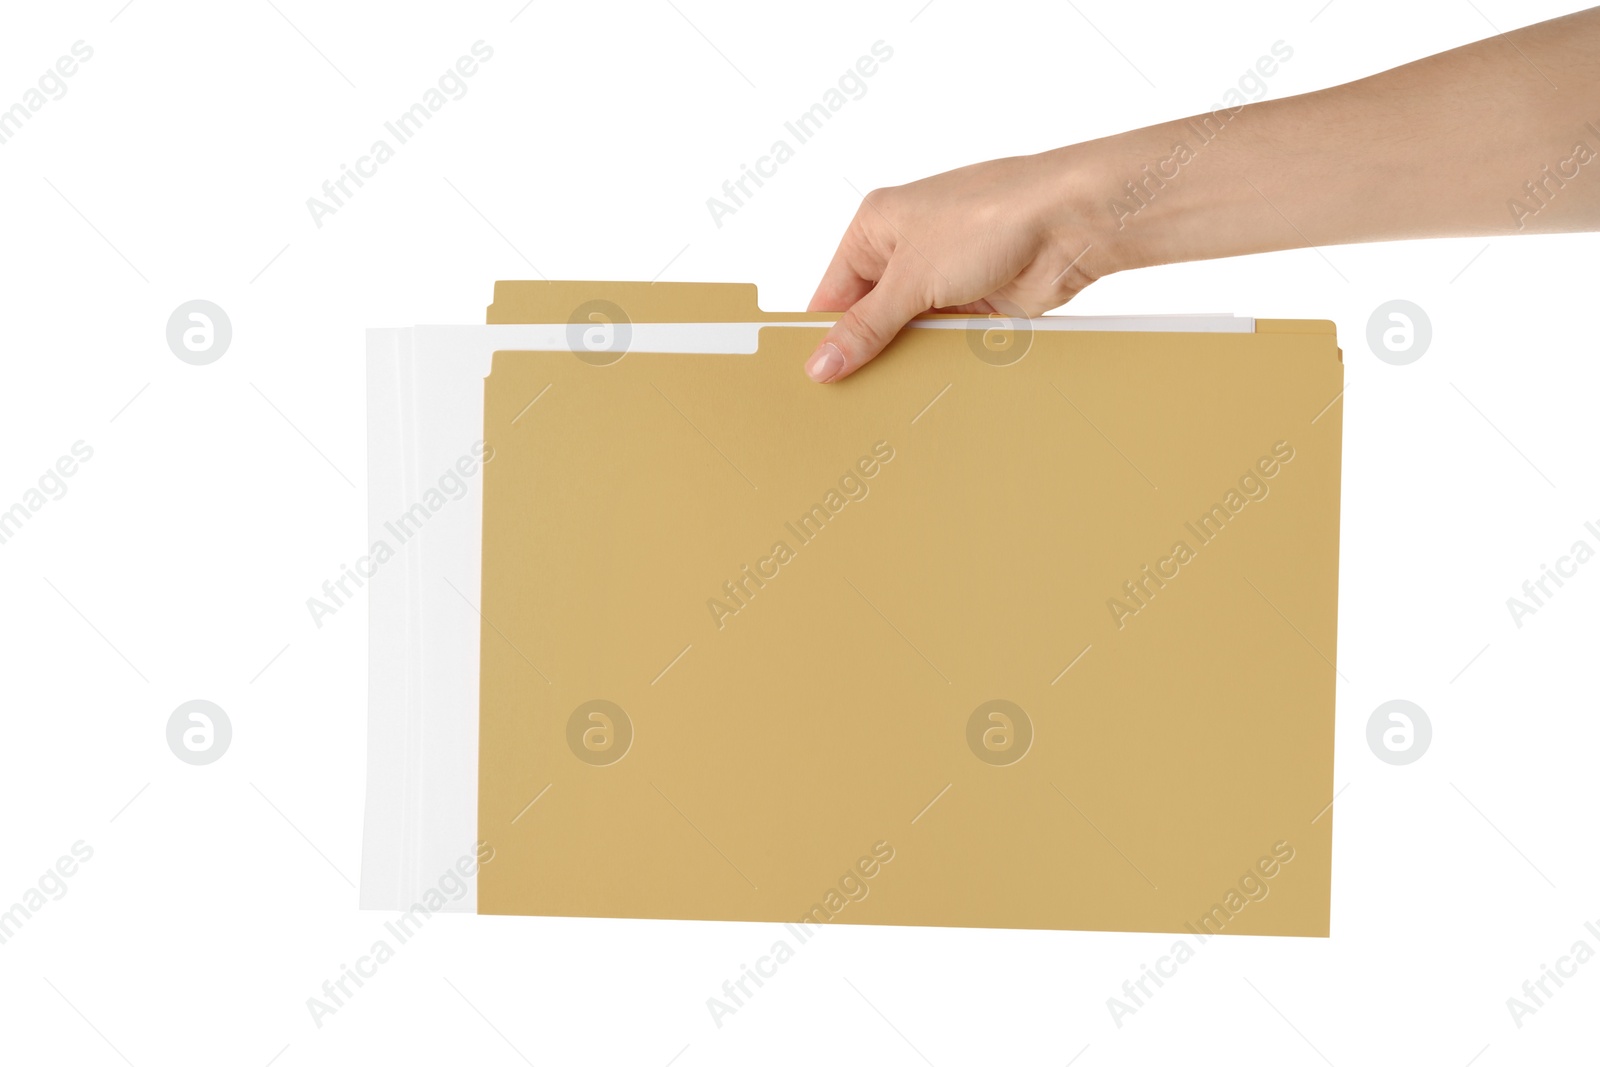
{"x": 1498, "y": 137}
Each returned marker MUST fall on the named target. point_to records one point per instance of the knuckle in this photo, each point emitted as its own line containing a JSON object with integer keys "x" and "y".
{"x": 867, "y": 334}
{"x": 877, "y": 202}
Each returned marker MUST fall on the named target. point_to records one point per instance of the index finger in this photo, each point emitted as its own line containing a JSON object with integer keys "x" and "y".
{"x": 851, "y": 274}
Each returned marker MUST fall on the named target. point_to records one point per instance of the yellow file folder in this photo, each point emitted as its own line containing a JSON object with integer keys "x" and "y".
{"x": 1016, "y": 627}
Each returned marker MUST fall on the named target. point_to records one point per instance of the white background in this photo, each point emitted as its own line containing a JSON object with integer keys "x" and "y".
{"x": 178, "y": 563}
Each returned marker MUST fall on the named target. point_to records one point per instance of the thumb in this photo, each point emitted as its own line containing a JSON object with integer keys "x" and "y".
{"x": 868, "y": 327}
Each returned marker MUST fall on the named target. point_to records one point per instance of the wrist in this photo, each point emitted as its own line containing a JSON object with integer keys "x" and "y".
{"x": 1163, "y": 194}
{"x": 1090, "y": 211}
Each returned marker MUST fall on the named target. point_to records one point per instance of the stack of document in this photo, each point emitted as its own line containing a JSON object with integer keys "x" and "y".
{"x": 1029, "y": 623}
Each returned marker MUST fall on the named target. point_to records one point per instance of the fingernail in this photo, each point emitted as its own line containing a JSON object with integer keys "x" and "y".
{"x": 825, "y": 363}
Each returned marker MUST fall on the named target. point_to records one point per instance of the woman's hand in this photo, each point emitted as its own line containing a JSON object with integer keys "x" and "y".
{"x": 1497, "y": 137}
{"x": 995, "y": 237}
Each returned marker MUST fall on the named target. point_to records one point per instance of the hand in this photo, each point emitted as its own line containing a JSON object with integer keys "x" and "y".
{"x": 993, "y": 237}
{"x": 1380, "y": 159}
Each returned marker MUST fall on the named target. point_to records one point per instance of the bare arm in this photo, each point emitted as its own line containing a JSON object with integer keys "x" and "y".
{"x": 1498, "y": 137}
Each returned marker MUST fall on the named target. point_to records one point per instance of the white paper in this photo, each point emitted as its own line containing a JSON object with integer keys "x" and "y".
{"x": 424, "y": 419}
